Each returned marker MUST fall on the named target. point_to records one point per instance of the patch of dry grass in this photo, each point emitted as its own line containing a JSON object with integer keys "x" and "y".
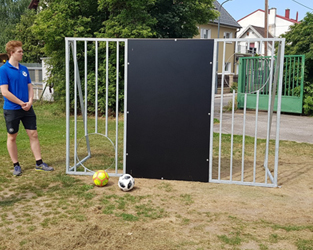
{"x": 58, "y": 211}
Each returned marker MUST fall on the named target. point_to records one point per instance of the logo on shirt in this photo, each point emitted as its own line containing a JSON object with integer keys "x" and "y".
{"x": 24, "y": 74}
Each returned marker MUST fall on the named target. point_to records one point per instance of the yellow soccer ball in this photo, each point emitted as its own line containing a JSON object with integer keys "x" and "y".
{"x": 100, "y": 178}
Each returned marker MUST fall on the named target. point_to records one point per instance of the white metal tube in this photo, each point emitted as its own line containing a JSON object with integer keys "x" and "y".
{"x": 96, "y": 89}
{"x": 117, "y": 103}
{"x": 106, "y": 88}
{"x": 86, "y": 86}
{"x": 125, "y": 103}
{"x": 232, "y": 136}
{"x": 244, "y": 138}
{"x": 279, "y": 93}
{"x": 221, "y": 112}
{"x": 95, "y": 39}
{"x": 269, "y": 117}
{"x": 67, "y": 77}
{"x": 256, "y": 133}
{"x": 75, "y": 105}
{"x": 212, "y": 110}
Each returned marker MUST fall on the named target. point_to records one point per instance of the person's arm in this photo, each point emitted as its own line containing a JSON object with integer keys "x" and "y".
{"x": 7, "y": 94}
{"x": 29, "y": 104}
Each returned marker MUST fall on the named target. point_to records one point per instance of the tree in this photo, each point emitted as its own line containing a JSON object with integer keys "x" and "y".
{"x": 112, "y": 19}
{"x": 155, "y": 18}
{"x": 179, "y": 19}
{"x": 60, "y": 19}
{"x": 10, "y": 13}
{"x": 299, "y": 41}
{"x": 31, "y": 45}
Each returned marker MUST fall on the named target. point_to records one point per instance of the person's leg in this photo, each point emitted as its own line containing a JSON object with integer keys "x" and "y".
{"x": 34, "y": 143}
{"x": 29, "y": 122}
{"x": 12, "y": 119}
{"x": 12, "y": 147}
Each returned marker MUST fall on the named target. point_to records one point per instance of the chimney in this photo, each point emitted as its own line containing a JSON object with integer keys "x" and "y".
{"x": 287, "y": 13}
{"x": 297, "y": 16}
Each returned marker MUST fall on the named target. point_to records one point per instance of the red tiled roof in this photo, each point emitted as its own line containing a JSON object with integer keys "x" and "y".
{"x": 279, "y": 16}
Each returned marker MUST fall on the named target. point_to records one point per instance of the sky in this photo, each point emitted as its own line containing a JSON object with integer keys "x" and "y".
{"x": 241, "y": 8}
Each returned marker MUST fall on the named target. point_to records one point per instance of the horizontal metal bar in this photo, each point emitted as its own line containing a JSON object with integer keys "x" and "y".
{"x": 95, "y": 39}
{"x": 248, "y": 40}
{"x": 92, "y": 173}
{"x": 244, "y": 183}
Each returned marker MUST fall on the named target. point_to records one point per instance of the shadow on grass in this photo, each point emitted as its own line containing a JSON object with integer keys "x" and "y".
{"x": 9, "y": 202}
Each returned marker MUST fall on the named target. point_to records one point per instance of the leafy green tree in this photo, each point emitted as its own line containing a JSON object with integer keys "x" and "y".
{"x": 60, "y": 19}
{"x": 111, "y": 19}
{"x": 299, "y": 41}
{"x": 155, "y": 18}
{"x": 31, "y": 45}
{"x": 179, "y": 19}
{"x": 10, "y": 13}
{"x": 127, "y": 19}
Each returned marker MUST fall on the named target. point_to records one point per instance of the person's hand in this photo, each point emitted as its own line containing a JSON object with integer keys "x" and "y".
{"x": 26, "y": 106}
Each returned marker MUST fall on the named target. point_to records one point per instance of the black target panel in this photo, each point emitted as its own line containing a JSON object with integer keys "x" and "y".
{"x": 168, "y": 103}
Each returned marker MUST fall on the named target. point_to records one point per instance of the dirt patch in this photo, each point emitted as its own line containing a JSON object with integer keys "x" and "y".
{"x": 162, "y": 214}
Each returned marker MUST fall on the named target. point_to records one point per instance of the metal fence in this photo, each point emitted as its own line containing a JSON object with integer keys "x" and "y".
{"x": 92, "y": 143}
{"x": 254, "y": 74}
{"x": 231, "y": 161}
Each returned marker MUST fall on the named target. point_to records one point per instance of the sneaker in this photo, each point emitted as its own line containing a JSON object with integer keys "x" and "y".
{"x": 44, "y": 167}
{"x": 17, "y": 171}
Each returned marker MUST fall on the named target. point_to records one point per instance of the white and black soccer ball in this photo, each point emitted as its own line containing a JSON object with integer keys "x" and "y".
{"x": 126, "y": 182}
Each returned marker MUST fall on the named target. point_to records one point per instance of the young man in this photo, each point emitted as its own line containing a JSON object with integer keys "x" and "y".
{"x": 17, "y": 90}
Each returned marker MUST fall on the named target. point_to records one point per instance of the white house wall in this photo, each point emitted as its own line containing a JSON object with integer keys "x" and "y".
{"x": 277, "y": 24}
{"x": 260, "y": 49}
{"x": 256, "y": 18}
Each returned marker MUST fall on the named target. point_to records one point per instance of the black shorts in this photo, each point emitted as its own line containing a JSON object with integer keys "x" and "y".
{"x": 13, "y": 118}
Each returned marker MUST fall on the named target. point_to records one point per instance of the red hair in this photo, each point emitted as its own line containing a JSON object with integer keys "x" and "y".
{"x": 11, "y": 45}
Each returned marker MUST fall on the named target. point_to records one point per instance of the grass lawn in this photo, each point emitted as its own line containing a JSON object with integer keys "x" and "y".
{"x": 57, "y": 211}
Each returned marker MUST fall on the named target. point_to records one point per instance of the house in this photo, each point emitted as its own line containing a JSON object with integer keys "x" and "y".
{"x": 253, "y": 27}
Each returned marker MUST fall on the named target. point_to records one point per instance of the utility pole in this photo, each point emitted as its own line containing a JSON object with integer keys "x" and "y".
{"x": 265, "y": 26}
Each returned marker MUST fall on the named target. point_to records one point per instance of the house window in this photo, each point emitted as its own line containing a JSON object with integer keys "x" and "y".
{"x": 205, "y": 34}
{"x": 228, "y": 35}
{"x": 252, "y": 49}
{"x": 227, "y": 67}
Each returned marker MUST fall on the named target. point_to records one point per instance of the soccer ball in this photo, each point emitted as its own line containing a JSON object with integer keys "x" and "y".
{"x": 100, "y": 178}
{"x": 126, "y": 182}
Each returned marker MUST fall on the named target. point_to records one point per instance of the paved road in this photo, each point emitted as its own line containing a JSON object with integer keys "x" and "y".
{"x": 292, "y": 127}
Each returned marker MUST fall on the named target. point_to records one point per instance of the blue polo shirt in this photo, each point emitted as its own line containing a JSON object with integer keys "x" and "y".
{"x": 17, "y": 80}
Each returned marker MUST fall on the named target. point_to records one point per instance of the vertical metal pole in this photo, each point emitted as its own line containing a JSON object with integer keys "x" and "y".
{"x": 96, "y": 89}
{"x": 243, "y": 138}
{"x": 125, "y": 103}
{"x": 269, "y": 116}
{"x": 212, "y": 109}
{"x": 67, "y": 76}
{"x": 232, "y": 137}
{"x": 293, "y": 75}
{"x": 256, "y": 133}
{"x": 81, "y": 99}
{"x": 117, "y": 103}
{"x": 221, "y": 113}
{"x": 289, "y": 80}
{"x": 282, "y": 52}
{"x": 286, "y": 70}
{"x": 86, "y": 87}
{"x": 75, "y": 106}
{"x": 106, "y": 88}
